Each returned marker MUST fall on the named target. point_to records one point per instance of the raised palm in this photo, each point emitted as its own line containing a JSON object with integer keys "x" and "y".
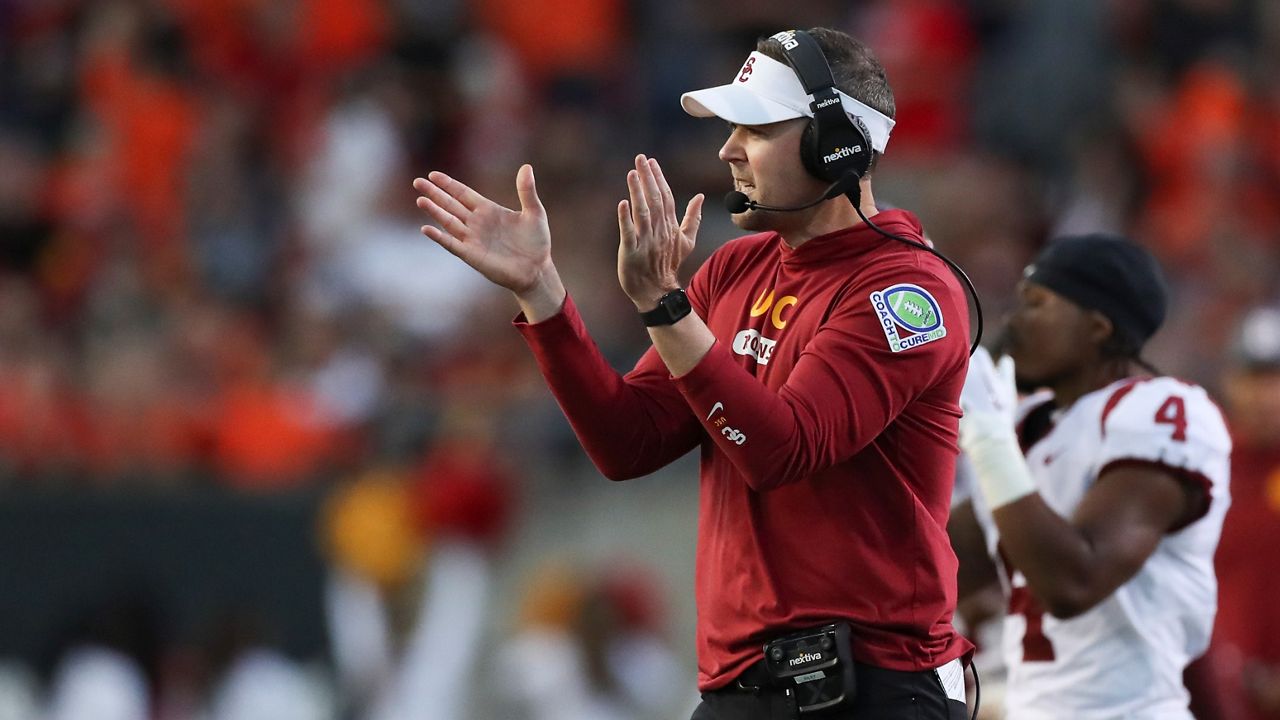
{"x": 653, "y": 241}
{"x": 510, "y": 248}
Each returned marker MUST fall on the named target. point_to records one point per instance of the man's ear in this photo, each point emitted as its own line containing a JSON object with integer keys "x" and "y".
{"x": 1100, "y": 328}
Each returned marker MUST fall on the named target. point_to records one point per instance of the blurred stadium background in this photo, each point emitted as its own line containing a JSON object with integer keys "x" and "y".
{"x": 265, "y": 451}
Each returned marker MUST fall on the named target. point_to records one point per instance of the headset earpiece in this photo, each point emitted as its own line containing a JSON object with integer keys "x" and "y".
{"x": 809, "y": 150}
{"x": 833, "y": 143}
{"x": 816, "y": 143}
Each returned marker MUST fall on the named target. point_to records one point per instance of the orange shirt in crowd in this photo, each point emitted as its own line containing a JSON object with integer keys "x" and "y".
{"x": 554, "y": 37}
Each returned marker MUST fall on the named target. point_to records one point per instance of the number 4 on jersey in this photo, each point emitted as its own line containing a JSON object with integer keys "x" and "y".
{"x": 1174, "y": 412}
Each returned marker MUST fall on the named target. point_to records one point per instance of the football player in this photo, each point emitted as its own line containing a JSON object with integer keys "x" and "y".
{"x": 1101, "y": 495}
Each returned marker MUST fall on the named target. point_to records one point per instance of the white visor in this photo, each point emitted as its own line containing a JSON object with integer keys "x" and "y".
{"x": 767, "y": 91}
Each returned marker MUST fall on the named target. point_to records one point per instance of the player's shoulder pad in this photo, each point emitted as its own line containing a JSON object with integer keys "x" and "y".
{"x": 1166, "y": 410}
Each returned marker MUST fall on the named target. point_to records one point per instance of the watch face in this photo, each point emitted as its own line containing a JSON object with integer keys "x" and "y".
{"x": 671, "y": 308}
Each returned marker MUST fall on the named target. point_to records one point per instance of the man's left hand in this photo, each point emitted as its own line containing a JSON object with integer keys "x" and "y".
{"x": 652, "y": 244}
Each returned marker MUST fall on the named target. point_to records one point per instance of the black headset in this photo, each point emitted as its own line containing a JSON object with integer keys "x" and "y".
{"x": 834, "y": 143}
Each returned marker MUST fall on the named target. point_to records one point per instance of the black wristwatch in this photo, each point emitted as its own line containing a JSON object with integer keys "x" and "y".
{"x": 671, "y": 307}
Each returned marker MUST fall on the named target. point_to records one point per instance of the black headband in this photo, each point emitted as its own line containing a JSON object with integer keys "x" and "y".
{"x": 1110, "y": 274}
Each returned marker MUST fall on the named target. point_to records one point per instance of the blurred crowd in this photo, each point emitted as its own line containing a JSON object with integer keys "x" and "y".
{"x": 211, "y": 268}
{"x": 211, "y": 271}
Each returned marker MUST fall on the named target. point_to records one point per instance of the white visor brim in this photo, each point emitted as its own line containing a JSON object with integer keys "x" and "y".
{"x": 767, "y": 91}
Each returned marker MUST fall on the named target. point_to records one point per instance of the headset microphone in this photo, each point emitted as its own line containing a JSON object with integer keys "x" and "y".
{"x": 738, "y": 202}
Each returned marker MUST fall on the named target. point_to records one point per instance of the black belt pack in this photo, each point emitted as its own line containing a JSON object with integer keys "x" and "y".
{"x": 816, "y": 665}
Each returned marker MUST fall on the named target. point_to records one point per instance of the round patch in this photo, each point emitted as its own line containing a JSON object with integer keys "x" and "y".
{"x": 912, "y": 307}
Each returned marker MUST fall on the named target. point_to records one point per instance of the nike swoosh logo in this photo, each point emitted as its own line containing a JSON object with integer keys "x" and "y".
{"x": 715, "y": 409}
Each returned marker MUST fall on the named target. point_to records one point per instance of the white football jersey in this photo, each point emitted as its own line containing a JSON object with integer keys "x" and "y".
{"x": 1124, "y": 657}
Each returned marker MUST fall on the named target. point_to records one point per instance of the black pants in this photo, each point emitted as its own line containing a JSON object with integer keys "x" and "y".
{"x": 882, "y": 695}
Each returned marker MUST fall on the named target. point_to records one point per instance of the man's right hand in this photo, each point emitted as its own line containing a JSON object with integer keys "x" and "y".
{"x": 512, "y": 249}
